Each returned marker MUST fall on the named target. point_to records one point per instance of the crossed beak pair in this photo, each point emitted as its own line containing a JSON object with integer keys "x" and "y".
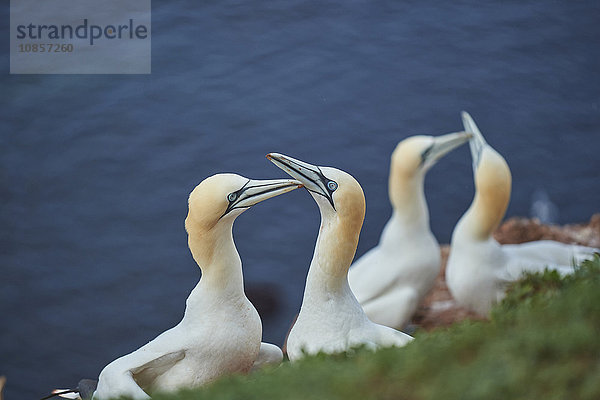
{"x": 311, "y": 176}
{"x": 307, "y": 175}
{"x": 442, "y": 145}
{"x": 445, "y": 143}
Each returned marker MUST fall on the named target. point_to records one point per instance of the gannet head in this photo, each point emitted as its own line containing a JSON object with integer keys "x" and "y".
{"x": 222, "y": 197}
{"x": 411, "y": 160}
{"x": 341, "y": 201}
{"x": 417, "y": 154}
{"x": 492, "y": 177}
{"x": 334, "y": 190}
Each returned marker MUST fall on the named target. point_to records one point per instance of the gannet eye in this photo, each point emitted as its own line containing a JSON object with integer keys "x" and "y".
{"x": 331, "y": 185}
{"x": 231, "y": 197}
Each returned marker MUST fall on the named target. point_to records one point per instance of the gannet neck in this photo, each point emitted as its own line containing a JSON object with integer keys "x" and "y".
{"x": 336, "y": 246}
{"x": 492, "y": 195}
{"x": 327, "y": 278}
{"x": 334, "y": 250}
{"x": 407, "y": 196}
{"x": 321, "y": 285}
{"x": 215, "y": 253}
{"x": 341, "y": 202}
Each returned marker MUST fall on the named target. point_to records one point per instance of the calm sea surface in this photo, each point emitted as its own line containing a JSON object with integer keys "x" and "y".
{"x": 95, "y": 170}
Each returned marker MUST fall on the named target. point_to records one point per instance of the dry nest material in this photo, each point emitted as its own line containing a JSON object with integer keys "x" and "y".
{"x": 438, "y": 309}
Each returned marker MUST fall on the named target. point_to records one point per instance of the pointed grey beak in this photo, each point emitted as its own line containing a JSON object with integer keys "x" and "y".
{"x": 309, "y": 175}
{"x": 478, "y": 142}
{"x": 255, "y": 191}
{"x": 443, "y": 145}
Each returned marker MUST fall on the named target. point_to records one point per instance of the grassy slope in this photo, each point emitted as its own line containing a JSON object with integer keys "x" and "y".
{"x": 543, "y": 342}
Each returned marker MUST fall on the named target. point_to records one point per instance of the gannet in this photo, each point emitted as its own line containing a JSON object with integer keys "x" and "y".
{"x": 391, "y": 280}
{"x": 221, "y": 330}
{"x": 479, "y": 267}
{"x": 331, "y": 320}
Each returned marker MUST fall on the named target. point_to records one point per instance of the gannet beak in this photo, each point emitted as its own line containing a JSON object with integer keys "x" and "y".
{"x": 65, "y": 394}
{"x": 477, "y": 143}
{"x": 444, "y": 144}
{"x": 310, "y": 175}
{"x": 255, "y": 191}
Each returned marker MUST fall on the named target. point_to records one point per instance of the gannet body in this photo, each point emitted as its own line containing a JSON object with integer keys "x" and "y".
{"x": 479, "y": 268}
{"x": 391, "y": 280}
{"x": 331, "y": 320}
{"x": 221, "y": 330}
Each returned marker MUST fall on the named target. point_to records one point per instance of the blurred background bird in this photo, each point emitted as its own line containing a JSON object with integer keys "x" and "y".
{"x": 391, "y": 279}
{"x": 479, "y": 267}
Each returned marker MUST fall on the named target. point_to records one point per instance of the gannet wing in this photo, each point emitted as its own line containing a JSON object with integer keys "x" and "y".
{"x": 133, "y": 373}
{"x": 269, "y": 354}
{"x": 118, "y": 383}
{"x": 366, "y": 280}
{"x": 394, "y": 308}
{"x": 550, "y": 252}
{"x": 517, "y": 265}
{"x": 146, "y": 373}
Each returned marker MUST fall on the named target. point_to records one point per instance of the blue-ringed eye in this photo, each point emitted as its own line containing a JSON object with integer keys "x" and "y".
{"x": 331, "y": 185}
{"x": 231, "y": 197}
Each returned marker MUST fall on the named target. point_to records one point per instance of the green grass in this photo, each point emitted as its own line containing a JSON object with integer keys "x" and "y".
{"x": 543, "y": 342}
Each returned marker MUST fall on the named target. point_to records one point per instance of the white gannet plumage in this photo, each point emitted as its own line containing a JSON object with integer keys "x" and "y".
{"x": 221, "y": 330}
{"x": 478, "y": 266}
{"x": 331, "y": 320}
{"x": 391, "y": 279}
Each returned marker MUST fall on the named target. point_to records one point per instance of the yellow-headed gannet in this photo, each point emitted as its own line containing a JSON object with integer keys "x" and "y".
{"x": 391, "y": 280}
{"x": 331, "y": 320}
{"x": 221, "y": 330}
{"x": 479, "y": 267}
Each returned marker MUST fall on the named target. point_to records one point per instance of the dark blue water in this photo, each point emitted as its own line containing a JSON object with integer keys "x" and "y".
{"x": 95, "y": 170}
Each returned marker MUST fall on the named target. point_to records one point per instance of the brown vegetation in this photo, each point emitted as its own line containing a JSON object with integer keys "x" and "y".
{"x": 438, "y": 309}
